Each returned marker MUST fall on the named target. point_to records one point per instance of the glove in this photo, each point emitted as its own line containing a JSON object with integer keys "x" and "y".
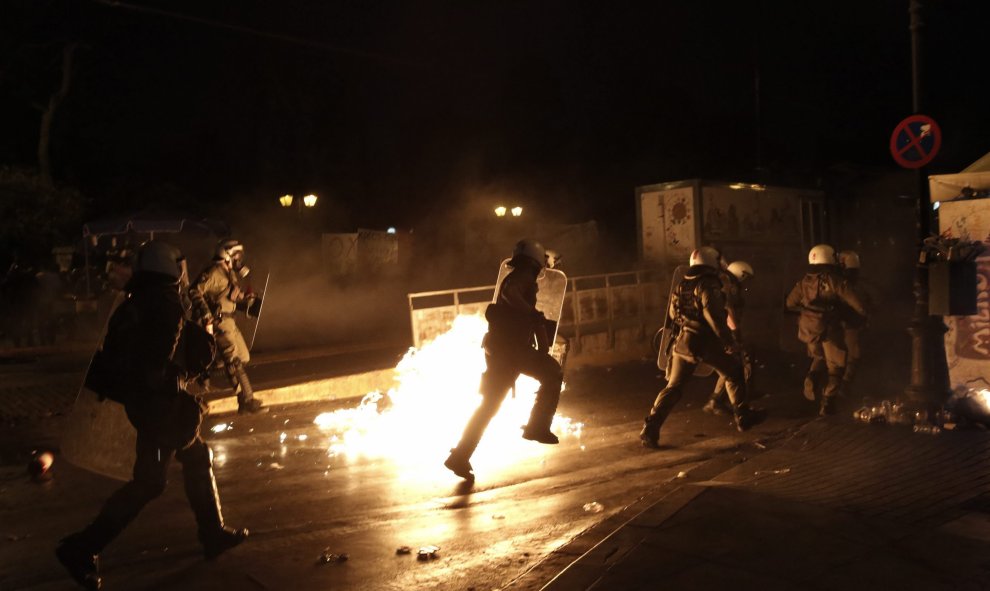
{"x": 253, "y": 307}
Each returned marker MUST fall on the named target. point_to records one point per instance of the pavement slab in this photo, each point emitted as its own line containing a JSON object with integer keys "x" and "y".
{"x": 839, "y": 505}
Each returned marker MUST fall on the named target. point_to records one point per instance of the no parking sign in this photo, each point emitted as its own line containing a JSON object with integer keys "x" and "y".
{"x": 915, "y": 141}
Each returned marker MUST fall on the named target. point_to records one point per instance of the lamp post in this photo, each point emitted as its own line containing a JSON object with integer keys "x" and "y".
{"x": 308, "y": 202}
{"x": 929, "y": 369}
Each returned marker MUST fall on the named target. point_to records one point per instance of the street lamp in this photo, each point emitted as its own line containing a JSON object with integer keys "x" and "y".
{"x": 307, "y": 201}
{"x": 500, "y": 211}
{"x": 516, "y": 211}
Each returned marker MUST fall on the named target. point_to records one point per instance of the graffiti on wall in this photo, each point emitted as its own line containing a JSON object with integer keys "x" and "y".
{"x": 971, "y": 337}
{"x": 758, "y": 216}
{"x": 967, "y": 343}
{"x": 668, "y": 225}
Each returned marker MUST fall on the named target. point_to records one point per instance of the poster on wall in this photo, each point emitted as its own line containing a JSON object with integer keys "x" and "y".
{"x": 967, "y": 343}
{"x": 678, "y": 224}
{"x": 651, "y": 216}
{"x": 752, "y": 216}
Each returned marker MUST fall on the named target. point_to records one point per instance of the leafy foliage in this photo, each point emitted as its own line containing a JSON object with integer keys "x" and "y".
{"x": 33, "y": 217}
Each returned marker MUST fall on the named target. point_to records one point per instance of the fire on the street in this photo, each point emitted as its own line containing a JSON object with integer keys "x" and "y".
{"x": 437, "y": 391}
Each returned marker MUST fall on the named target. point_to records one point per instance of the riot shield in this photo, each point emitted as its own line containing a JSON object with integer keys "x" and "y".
{"x": 552, "y": 286}
{"x": 97, "y": 436}
{"x": 667, "y": 331}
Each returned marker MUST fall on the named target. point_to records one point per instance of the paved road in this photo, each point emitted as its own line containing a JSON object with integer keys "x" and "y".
{"x": 300, "y": 493}
{"x": 43, "y": 383}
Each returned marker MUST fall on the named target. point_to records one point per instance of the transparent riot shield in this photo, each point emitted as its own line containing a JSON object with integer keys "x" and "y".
{"x": 552, "y": 286}
{"x": 97, "y": 436}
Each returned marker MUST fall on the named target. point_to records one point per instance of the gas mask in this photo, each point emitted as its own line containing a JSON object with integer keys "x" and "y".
{"x": 237, "y": 264}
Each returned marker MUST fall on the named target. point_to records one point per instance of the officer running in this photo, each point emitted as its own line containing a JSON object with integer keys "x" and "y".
{"x": 216, "y": 295}
{"x": 819, "y": 297}
{"x": 735, "y": 275}
{"x": 697, "y": 308}
{"x": 138, "y": 365}
{"x": 513, "y": 322}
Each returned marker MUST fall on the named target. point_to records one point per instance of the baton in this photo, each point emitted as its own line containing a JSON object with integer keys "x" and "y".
{"x": 264, "y": 296}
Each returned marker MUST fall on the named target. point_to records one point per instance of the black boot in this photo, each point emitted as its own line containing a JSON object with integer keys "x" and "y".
{"x": 717, "y": 406}
{"x": 538, "y": 428}
{"x": 83, "y": 565}
{"x": 246, "y": 402}
{"x": 458, "y": 463}
{"x": 650, "y": 435}
{"x": 539, "y": 434}
{"x": 201, "y": 491}
{"x": 746, "y": 417}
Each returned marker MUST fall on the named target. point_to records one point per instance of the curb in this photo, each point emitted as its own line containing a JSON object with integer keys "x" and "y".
{"x": 335, "y": 388}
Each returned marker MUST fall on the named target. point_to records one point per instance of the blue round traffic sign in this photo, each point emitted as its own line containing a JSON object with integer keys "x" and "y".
{"x": 915, "y": 141}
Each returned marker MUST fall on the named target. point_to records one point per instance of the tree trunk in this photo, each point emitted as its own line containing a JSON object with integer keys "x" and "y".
{"x": 48, "y": 116}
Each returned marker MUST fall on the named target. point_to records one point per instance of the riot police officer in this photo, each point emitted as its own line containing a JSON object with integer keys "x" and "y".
{"x": 697, "y": 309}
{"x": 139, "y": 366}
{"x": 733, "y": 277}
{"x": 216, "y": 295}
{"x": 513, "y": 322}
{"x": 818, "y": 297}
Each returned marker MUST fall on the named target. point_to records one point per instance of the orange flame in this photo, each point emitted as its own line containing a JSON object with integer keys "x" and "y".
{"x": 419, "y": 420}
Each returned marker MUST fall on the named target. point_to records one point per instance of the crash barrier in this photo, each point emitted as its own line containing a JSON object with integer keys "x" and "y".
{"x": 99, "y": 438}
{"x": 610, "y": 313}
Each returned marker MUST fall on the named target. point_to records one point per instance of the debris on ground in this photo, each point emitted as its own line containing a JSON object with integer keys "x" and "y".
{"x": 892, "y": 413}
{"x": 759, "y": 445}
{"x": 402, "y": 550}
{"x": 498, "y": 516}
{"x": 774, "y": 472}
{"x": 329, "y": 557}
{"x": 682, "y": 474}
{"x": 275, "y": 466}
{"x": 594, "y": 507}
{"x": 428, "y": 553}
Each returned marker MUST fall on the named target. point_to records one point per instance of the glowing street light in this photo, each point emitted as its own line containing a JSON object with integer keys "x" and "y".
{"x": 516, "y": 211}
{"x": 309, "y": 200}
{"x": 500, "y": 211}
{"x": 285, "y": 200}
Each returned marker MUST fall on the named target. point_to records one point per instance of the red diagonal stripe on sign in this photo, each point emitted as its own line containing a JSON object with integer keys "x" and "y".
{"x": 915, "y": 142}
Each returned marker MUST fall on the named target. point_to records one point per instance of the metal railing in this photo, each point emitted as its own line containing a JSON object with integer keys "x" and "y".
{"x": 604, "y": 304}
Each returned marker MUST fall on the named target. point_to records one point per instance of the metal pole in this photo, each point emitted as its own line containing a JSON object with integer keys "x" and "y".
{"x": 929, "y": 369}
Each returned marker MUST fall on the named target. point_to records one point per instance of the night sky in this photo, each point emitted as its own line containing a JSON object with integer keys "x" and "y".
{"x": 412, "y": 108}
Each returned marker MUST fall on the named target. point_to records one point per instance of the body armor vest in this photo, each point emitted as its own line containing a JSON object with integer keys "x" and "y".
{"x": 818, "y": 293}
{"x": 687, "y": 305}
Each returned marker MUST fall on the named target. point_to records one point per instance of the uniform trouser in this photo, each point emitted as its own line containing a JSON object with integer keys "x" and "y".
{"x": 501, "y": 374}
{"x": 727, "y": 366}
{"x": 827, "y": 356}
{"x": 851, "y": 336}
{"x": 231, "y": 342}
{"x": 148, "y": 482}
{"x": 236, "y": 355}
{"x": 720, "y": 394}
